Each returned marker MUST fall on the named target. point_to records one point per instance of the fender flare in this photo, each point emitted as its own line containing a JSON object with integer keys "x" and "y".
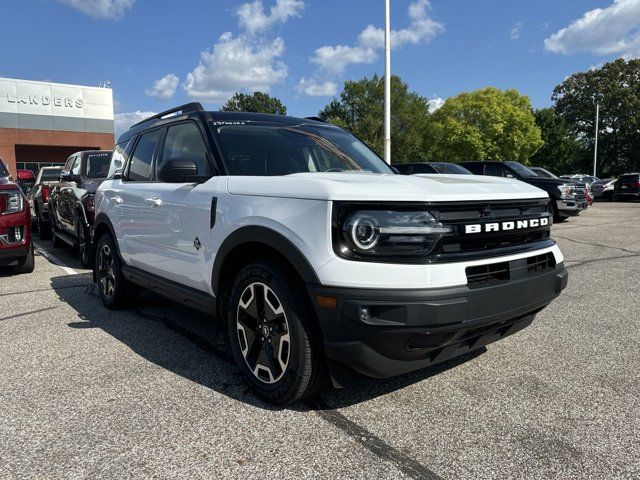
{"x": 270, "y": 238}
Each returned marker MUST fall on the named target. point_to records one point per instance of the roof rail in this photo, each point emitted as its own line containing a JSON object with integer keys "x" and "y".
{"x": 187, "y": 107}
{"x": 317, "y": 119}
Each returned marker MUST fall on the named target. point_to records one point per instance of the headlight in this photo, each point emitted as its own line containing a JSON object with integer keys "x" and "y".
{"x": 387, "y": 234}
{"x": 566, "y": 190}
{"x": 11, "y": 201}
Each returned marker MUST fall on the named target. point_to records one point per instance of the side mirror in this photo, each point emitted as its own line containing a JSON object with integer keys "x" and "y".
{"x": 67, "y": 177}
{"x": 180, "y": 170}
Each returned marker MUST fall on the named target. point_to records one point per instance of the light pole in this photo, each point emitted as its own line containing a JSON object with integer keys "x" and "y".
{"x": 387, "y": 84}
{"x": 596, "y": 99}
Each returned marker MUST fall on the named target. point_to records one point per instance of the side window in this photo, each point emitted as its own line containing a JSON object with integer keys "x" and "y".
{"x": 75, "y": 168}
{"x": 68, "y": 165}
{"x": 140, "y": 164}
{"x": 184, "y": 142}
{"x": 494, "y": 170}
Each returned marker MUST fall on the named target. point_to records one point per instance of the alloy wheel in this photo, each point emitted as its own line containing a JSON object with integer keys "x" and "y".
{"x": 263, "y": 332}
{"x": 106, "y": 276}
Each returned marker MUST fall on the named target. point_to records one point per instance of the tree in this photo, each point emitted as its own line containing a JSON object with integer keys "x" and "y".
{"x": 360, "y": 110}
{"x": 616, "y": 86}
{"x": 258, "y": 102}
{"x": 559, "y": 153}
{"x": 488, "y": 124}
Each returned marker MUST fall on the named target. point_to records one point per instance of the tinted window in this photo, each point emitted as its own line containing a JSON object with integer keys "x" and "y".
{"x": 98, "y": 165}
{"x": 494, "y": 170}
{"x": 403, "y": 168}
{"x": 424, "y": 168}
{"x": 185, "y": 142}
{"x": 521, "y": 169}
{"x": 140, "y": 165}
{"x": 272, "y": 149}
{"x": 50, "y": 174}
{"x": 450, "y": 168}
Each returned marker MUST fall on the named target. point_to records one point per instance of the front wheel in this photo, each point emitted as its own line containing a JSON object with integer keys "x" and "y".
{"x": 273, "y": 334}
{"x": 26, "y": 264}
{"x": 115, "y": 290}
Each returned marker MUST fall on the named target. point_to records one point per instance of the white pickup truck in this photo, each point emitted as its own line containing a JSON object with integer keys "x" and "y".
{"x": 323, "y": 263}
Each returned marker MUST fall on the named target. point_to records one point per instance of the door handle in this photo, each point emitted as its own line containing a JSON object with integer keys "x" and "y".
{"x": 153, "y": 202}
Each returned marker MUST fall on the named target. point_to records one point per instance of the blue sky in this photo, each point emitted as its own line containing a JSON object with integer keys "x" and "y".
{"x": 160, "y": 53}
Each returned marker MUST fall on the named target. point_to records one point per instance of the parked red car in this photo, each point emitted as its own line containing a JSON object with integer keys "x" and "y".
{"x": 16, "y": 249}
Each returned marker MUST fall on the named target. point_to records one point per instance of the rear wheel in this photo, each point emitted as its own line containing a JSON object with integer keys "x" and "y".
{"x": 115, "y": 290}
{"x": 273, "y": 334}
{"x": 26, "y": 264}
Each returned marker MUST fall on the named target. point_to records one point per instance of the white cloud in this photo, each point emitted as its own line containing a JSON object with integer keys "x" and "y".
{"x": 435, "y": 103}
{"x": 253, "y": 18}
{"x": 313, "y": 88}
{"x": 614, "y": 30}
{"x": 109, "y": 9}
{"x": 124, "y": 120}
{"x": 515, "y": 31}
{"x": 236, "y": 64}
{"x": 335, "y": 59}
{"x": 248, "y": 62}
{"x": 164, "y": 88}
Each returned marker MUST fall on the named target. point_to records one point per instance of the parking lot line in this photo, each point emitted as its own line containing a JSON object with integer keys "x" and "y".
{"x": 53, "y": 259}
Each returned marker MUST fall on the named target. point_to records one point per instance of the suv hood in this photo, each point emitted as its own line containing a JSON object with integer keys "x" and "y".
{"x": 388, "y": 187}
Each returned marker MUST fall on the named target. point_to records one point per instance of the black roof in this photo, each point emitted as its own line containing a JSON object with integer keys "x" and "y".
{"x": 195, "y": 110}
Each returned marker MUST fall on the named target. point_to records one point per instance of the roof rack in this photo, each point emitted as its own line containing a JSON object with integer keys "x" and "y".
{"x": 187, "y": 107}
{"x": 317, "y": 119}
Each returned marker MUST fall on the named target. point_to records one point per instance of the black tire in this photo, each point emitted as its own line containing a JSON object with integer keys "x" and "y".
{"x": 554, "y": 209}
{"x": 300, "y": 371}
{"x": 44, "y": 228}
{"x": 26, "y": 264}
{"x": 84, "y": 245}
{"x": 115, "y": 291}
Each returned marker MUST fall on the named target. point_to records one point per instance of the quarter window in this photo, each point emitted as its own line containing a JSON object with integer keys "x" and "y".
{"x": 75, "y": 168}
{"x": 140, "y": 166}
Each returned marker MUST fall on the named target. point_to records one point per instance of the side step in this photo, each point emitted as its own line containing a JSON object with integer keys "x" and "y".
{"x": 66, "y": 238}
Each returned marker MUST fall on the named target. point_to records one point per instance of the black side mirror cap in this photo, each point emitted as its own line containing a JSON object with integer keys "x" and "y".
{"x": 180, "y": 170}
{"x": 68, "y": 177}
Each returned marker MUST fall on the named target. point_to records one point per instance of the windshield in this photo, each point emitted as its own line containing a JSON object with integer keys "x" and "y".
{"x": 50, "y": 174}
{"x": 541, "y": 172}
{"x": 98, "y": 165}
{"x": 450, "y": 168}
{"x": 521, "y": 169}
{"x": 264, "y": 149}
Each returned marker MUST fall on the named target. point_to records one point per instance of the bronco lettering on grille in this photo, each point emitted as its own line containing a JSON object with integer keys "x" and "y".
{"x": 506, "y": 226}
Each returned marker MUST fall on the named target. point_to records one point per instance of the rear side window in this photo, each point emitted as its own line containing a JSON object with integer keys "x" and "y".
{"x": 494, "y": 170}
{"x": 404, "y": 169}
{"x": 142, "y": 158}
{"x": 184, "y": 142}
{"x": 424, "y": 169}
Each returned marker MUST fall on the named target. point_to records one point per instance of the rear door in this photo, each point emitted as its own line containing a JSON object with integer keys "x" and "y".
{"x": 179, "y": 214}
{"x": 127, "y": 198}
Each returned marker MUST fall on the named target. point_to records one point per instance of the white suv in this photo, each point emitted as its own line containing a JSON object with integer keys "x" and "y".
{"x": 323, "y": 263}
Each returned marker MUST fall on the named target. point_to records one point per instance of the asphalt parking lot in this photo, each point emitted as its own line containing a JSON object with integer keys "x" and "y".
{"x": 148, "y": 393}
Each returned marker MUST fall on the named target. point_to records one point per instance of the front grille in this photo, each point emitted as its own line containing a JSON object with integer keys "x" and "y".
{"x": 460, "y": 245}
{"x": 541, "y": 263}
{"x": 485, "y": 275}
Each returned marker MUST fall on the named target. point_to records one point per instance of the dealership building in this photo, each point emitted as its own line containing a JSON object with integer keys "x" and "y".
{"x": 43, "y": 123}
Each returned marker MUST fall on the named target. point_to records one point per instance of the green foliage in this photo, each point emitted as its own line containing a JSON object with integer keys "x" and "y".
{"x": 360, "y": 110}
{"x": 617, "y": 87}
{"x": 258, "y": 102}
{"x": 488, "y": 124}
{"x": 559, "y": 152}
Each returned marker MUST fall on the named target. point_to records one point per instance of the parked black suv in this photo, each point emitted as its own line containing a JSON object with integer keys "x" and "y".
{"x": 71, "y": 206}
{"x": 565, "y": 198}
{"x": 430, "y": 167}
{"x": 627, "y": 187}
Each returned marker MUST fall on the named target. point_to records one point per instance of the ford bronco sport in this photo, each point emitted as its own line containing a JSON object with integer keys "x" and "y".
{"x": 321, "y": 261}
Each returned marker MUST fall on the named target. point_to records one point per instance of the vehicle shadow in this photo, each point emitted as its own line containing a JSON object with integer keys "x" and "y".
{"x": 201, "y": 354}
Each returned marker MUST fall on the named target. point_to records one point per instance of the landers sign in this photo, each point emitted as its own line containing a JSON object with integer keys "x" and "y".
{"x": 46, "y": 100}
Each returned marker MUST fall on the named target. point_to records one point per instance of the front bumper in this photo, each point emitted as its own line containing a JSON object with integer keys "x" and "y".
{"x": 571, "y": 207}
{"x": 406, "y": 330}
{"x": 11, "y": 255}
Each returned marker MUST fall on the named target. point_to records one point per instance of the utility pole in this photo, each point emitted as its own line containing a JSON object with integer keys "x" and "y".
{"x": 387, "y": 84}
{"x": 595, "y": 150}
